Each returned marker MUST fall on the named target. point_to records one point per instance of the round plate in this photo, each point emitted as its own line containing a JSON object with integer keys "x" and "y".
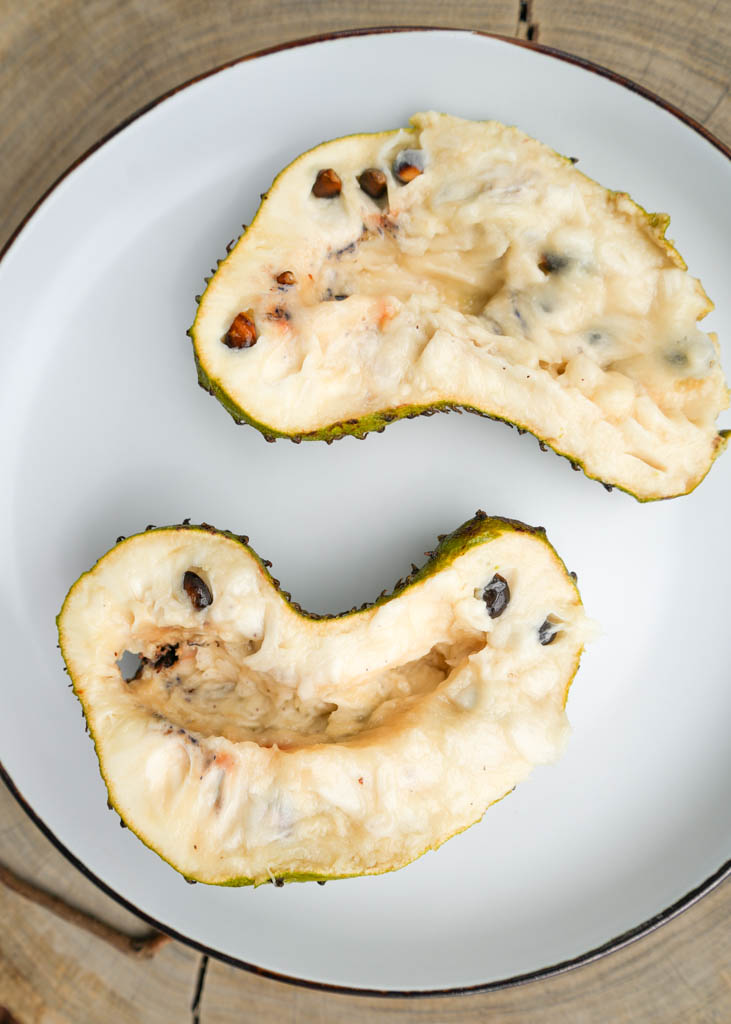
{"x": 104, "y": 431}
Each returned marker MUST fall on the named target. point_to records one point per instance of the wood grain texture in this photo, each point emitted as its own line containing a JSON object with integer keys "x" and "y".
{"x": 681, "y": 51}
{"x": 70, "y": 71}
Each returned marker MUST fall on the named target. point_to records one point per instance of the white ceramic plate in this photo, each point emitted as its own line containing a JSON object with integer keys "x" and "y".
{"x": 104, "y": 431}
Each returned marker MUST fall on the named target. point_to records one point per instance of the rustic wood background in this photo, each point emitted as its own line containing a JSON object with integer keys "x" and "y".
{"x": 70, "y": 71}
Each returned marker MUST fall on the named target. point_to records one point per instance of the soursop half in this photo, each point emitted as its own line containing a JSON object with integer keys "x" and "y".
{"x": 464, "y": 264}
{"x": 256, "y": 742}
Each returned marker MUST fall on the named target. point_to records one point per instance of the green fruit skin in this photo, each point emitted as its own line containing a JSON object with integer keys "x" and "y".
{"x": 478, "y": 530}
{"x": 378, "y": 421}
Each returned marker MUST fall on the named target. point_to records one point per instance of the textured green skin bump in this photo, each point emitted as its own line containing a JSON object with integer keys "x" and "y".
{"x": 479, "y": 530}
{"x": 657, "y": 225}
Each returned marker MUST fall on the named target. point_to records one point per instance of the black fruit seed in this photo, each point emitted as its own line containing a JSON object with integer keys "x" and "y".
{"x": 496, "y": 596}
{"x": 547, "y": 632}
{"x": 198, "y": 591}
{"x": 166, "y": 658}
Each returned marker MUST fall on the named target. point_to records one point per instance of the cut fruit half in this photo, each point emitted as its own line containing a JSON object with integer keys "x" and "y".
{"x": 464, "y": 264}
{"x": 245, "y": 740}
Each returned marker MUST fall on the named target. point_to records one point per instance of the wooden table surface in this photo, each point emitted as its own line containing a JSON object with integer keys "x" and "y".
{"x": 70, "y": 71}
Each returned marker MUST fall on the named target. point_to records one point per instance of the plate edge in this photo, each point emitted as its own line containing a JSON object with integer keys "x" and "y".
{"x": 323, "y": 37}
{"x": 613, "y": 944}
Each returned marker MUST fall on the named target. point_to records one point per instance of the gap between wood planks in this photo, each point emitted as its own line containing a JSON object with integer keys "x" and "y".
{"x": 526, "y": 27}
{"x": 195, "y": 1006}
{"x": 143, "y": 947}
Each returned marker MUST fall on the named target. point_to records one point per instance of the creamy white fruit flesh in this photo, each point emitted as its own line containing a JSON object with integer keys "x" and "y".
{"x": 500, "y": 278}
{"x": 265, "y": 744}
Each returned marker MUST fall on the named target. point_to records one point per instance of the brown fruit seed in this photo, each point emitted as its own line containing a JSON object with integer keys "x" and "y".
{"x": 198, "y": 591}
{"x": 327, "y": 184}
{"x": 373, "y": 182}
{"x": 409, "y": 164}
{"x": 407, "y": 173}
{"x": 242, "y": 333}
{"x": 286, "y": 277}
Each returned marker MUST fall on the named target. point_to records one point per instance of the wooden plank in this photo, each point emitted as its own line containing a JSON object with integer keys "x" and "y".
{"x": 678, "y": 974}
{"x": 72, "y": 70}
{"x": 53, "y": 972}
{"x": 679, "y": 50}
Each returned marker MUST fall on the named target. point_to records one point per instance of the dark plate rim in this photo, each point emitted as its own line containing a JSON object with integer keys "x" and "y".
{"x": 612, "y": 945}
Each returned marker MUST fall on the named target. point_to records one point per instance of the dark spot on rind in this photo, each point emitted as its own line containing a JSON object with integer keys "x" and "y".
{"x": 197, "y": 590}
{"x": 496, "y": 596}
{"x": 373, "y": 182}
{"x": 327, "y": 184}
{"x": 320, "y": 881}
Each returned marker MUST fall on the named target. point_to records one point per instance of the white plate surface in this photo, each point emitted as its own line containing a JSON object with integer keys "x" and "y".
{"x": 104, "y": 431}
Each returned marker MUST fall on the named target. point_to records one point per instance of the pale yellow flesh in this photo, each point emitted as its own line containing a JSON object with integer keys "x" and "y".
{"x": 279, "y": 745}
{"x": 447, "y": 302}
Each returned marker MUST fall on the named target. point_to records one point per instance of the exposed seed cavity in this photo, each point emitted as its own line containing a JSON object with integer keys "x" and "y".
{"x": 286, "y": 278}
{"x": 279, "y": 313}
{"x": 547, "y": 632}
{"x": 409, "y": 164}
{"x": 676, "y": 357}
{"x": 327, "y": 184}
{"x": 373, "y": 182}
{"x": 496, "y": 596}
{"x": 166, "y": 658}
{"x": 553, "y": 262}
{"x": 242, "y": 333}
{"x": 197, "y": 590}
